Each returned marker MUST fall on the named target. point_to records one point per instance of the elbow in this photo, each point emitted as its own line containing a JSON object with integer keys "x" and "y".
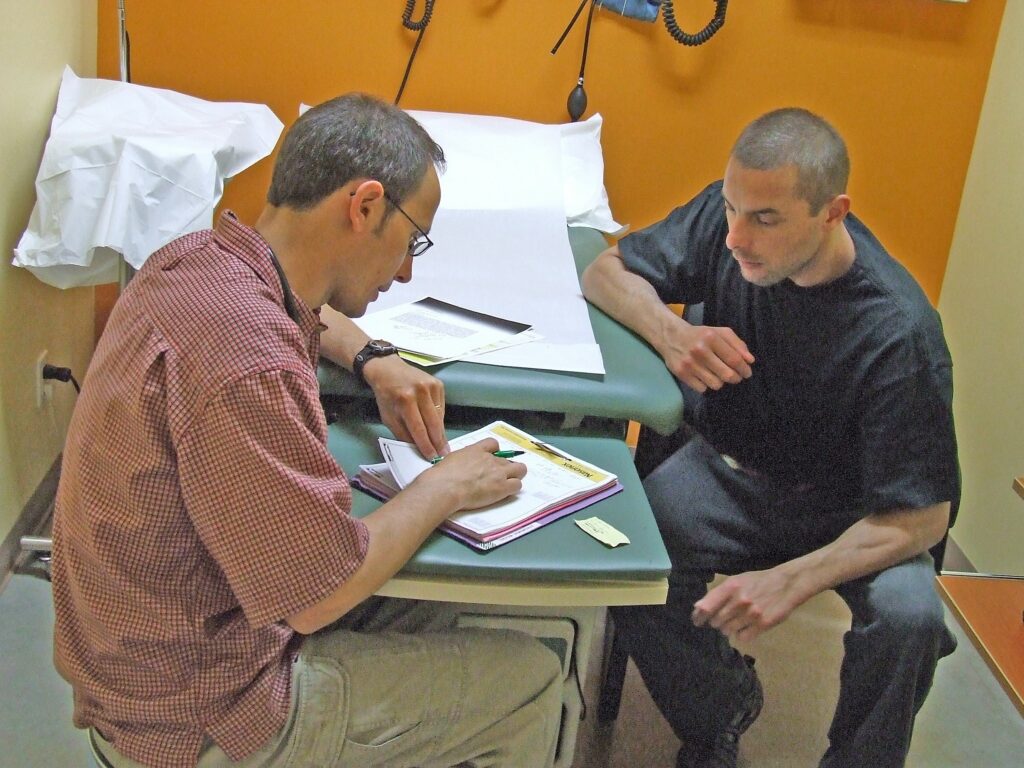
{"x": 587, "y": 281}
{"x": 936, "y": 525}
{"x": 304, "y": 624}
{"x": 316, "y": 617}
{"x": 327, "y": 611}
{"x": 593, "y": 276}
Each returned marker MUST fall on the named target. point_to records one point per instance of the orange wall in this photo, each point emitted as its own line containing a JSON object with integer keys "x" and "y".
{"x": 903, "y": 80}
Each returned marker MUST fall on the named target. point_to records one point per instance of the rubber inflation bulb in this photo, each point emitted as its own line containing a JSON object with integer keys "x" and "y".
{"x": 577, "y": 103}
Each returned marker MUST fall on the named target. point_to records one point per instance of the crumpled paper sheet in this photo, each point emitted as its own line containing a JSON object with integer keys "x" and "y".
{"x": 127, "y": 169}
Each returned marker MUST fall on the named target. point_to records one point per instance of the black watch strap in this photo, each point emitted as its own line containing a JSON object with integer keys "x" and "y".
{"x": 374, "y": 348}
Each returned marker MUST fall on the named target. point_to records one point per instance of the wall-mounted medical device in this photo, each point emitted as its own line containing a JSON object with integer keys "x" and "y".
{"x": 644, "y": 10}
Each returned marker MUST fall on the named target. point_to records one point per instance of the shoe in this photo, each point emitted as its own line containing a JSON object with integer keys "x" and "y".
{"x": 724, "y": 752}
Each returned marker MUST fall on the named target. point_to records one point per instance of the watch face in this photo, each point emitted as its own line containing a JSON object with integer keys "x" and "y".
{"x": 374, "y": 348}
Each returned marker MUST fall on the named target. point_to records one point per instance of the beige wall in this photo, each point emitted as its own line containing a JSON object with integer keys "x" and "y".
{"x": 37, "y": 39}
{"x": 982, "y": 304}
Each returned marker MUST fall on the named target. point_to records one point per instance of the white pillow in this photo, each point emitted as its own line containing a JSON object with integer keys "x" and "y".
{"x": 586, "y": 201}
{"x": 500, "y": 162}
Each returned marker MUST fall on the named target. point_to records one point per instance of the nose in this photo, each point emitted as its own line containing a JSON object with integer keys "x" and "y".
{"x": 738, "y": 236}
{"x": 404, "y": 274}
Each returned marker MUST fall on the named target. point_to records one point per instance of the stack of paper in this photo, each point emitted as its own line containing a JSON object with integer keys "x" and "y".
{"x": 556, "y": 484}
{"x": 430, "y": 331}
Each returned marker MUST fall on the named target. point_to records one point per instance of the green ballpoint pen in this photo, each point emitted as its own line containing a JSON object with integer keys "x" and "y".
{"x": 499, "y": 454}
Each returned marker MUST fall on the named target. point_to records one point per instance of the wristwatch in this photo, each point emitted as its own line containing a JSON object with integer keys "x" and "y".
{"x": 374, "y": 348}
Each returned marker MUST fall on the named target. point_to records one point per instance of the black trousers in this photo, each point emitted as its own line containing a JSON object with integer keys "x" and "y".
{"x": 715, "y": 519}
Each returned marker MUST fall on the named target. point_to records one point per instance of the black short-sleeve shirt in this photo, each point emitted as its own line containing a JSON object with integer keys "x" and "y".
{"x": 852, "y": 387}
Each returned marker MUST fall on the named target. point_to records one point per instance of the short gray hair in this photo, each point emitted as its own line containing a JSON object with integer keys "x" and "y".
{"x": 797, "y": 137}
{"x": 351, "y": 137}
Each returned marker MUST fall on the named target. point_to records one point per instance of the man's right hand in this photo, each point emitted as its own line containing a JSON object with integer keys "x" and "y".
{"x": 469, "y": 478}
{"x": 410, "y": 402}
{"x": 479, "y": 477}
{"x": 704, "y": 357}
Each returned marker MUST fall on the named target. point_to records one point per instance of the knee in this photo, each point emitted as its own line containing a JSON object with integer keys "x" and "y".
{"x": 912, "y": 622}
{"x": 537, "y": 660}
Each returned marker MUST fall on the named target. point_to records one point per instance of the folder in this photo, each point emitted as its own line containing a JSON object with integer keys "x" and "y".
{"x": 556, "y": 484}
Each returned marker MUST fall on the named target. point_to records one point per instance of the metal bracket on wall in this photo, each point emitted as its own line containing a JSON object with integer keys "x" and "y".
{"x": 34, "y": 520}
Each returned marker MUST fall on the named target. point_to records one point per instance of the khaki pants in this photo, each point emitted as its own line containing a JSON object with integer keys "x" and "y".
{"x": 395, "y": 684}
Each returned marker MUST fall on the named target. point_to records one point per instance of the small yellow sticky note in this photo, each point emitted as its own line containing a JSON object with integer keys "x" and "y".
{"x": 600, "y": 530}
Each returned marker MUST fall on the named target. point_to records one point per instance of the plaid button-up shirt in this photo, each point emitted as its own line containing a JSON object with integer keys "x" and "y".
{"x": 198, "y": 506}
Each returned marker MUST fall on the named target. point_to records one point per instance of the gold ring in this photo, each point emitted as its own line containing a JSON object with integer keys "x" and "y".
{"x": 439, "y": 407}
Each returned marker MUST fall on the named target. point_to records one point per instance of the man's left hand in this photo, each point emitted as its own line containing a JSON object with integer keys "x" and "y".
{"x": 745, "y": 605}
{"x": 410, "y": 401}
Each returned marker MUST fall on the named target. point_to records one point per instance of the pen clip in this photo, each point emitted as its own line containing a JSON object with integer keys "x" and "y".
{"x": 548, "y": 449}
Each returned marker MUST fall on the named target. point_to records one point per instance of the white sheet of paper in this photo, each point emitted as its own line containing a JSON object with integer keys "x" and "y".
{"x": 569, "y": 358}
{"x": 526, "y": 337}
{"x": 497, "y": 163}
{"x": 501, "y": 244}
{"x": 510, "y": 263}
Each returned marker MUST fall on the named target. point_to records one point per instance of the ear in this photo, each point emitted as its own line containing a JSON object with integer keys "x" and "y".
{"x": 366, "y": 205}
{"x": 836, "y": 210}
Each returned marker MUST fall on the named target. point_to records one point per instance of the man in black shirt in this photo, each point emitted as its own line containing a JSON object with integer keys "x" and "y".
{"x": 822, "y": 454}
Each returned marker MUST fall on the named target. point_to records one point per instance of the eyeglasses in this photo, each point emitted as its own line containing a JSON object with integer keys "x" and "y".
{"x": 419, "y": 242}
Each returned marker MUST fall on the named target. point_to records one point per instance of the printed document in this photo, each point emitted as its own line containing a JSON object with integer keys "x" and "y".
{"x": 430, "y": 331}
{"x": 555, "y": 482}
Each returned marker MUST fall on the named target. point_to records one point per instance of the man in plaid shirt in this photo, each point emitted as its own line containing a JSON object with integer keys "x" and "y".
{"x": 214, "y": 597}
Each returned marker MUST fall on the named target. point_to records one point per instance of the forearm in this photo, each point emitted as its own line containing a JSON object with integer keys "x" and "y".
{"x": 342, "y": 339}
{"x": 747, "y": 604}
{"x": 410, "y": 400}
{"x": 397, "y": 529}
{"x": 869, "y": 545}
{"x": 627, "y": 297}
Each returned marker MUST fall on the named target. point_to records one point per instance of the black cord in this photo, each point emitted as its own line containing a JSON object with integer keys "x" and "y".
{"x": 577, "y": 101}
{"x": 416, "y": 26}
{"x": 571, "y": 23}
{"x": 60, "y": 374}
{"x": 586, "y": 39}
{"x": 669, "y": 15}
